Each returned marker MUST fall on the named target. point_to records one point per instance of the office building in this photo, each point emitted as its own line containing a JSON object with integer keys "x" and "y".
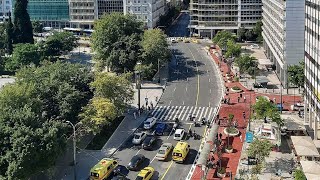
{"x": 312, "y": 67}
{"x": 283, "y": 37}
{"x": 52, "y": 13}
{"x": 5, "y": 10}
{"x": 109, "y": 6}
{"x": 207, "y": 17}
{"x": 147, "y": 11}
{"x": 82, "y": 13}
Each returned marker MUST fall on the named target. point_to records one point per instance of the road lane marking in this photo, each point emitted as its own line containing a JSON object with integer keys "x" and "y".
{"x": 153, "y": 159}
{"x": 198, "y": 90}
{"x": 209, "y": 104}
{"x": 170, "y": 102}
{"x": 174, "y": 88}
{"x": 202, "y": 112}
{"x": 166, "y": 171}
{"x": 198, "y": 113}
{"x": 209, "y": 80}
{"x": 186, "y": 88}
{"x": 138, "y": 151}
{"x": 210, "y": 91}
{"x": 182, "y": 110}
{"x": 182, "y": 102}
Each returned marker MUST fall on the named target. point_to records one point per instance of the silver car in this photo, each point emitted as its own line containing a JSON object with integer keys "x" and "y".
{"x": 138, "y": 138}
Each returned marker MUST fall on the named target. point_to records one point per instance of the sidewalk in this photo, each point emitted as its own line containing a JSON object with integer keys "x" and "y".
{"x": 231, "y": 161}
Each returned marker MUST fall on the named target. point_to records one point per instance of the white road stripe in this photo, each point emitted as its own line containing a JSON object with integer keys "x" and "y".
{"x": 183, "y": 113}
{"x": 202, "y": 113}
{"x": 179, "y": 111}
{"x": 155, "y": 110}
{"x": 187, "y": 113}
{"x": 171, "y": 115}
{"x": 194, "y": 111}
{"x": 159, "y": 111}
{"x": 210, "y": 113}
{"x": 163, "y": 111}
{"x": 198, "y": 113}
{"x": 205, "y": 114}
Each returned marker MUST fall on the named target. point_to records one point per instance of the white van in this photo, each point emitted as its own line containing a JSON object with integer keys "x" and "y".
{"x": 149, "y": 123}
{"x": 178, "y": 135}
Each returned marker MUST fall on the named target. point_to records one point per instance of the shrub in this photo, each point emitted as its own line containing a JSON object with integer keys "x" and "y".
{"x": 236, "y": 88}
{"x": 236, "y": 79}
{"x": 231, "y": 130}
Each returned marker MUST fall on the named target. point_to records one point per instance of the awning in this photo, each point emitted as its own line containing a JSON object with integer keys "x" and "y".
{"x": 292, "y": 123}
{"x": 261, "y": 79}
{"x": 304, "y": 146}
{"x": 311, "y": 169}
{"x": 265, "y": 62}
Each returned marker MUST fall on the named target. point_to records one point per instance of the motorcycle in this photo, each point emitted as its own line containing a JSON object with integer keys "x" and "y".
{"x": 196, "y": 124}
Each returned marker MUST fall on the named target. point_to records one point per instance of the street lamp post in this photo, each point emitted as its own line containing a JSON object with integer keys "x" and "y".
{"x": 138, "y": 84}
{"x": 74, "y": 149}
{"x": 159, "y": 71}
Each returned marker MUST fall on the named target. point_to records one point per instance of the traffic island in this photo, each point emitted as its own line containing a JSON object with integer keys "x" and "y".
{"x": 236, "y": 89}
{"x": 231, "y": 131}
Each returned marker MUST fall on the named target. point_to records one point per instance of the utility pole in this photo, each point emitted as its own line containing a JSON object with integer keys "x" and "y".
{"x": 138, "y": 84}
{"x": 74, "y": 150}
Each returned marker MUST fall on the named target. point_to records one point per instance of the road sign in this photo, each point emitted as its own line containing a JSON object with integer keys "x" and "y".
{"x": 249, "y": 137}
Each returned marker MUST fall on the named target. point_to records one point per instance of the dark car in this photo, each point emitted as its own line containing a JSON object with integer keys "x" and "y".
{"x": 148, "y": 142}
{"x": 136, "y": 162}
{"x": 160, "y": 128}
{"x": 120, "y": 173}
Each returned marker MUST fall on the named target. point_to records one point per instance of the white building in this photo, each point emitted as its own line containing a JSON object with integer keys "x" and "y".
{"x": 147, "y": 11}
{"x": 5, "y": 9}
{"x": 283, "y": 37}
{"x": 82, "y": 13}
{"x": 312, "y": 67}
{"x": 207, "y": 17}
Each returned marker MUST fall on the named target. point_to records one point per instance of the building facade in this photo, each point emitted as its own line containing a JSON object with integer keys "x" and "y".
{"x": 52, "y": 13}
{"x": 282, "y": 32}
{"x": 207, "y": 17}
{"x": 312, "y": 66}
{"x": 147, "y": 11}
{"x": 109, "y": 6}
{"x": 5, "y": 10}
{"x": 82, "y": 13}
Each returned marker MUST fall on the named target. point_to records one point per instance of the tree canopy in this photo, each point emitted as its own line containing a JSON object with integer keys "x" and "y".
{"x": 114, "y": 31}
{"x": 37, "y": 27}
{"x": 9, "y": 36}
{"x": 247, "y": 64}
{"x": 233, "y": 49}
{"x": 222, "y": 37}
{"x": 23, "y": 54}
{"x": 263, "y": 108}
{"x": 259, "y": 149}
{"x": 296, "y": 74}
{"x": 22, "y": 24}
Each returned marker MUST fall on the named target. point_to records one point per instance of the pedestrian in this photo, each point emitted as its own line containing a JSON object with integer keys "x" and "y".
{"x": 220, "y": 135}
{"x": 240, "y": 137}
{"x": 135, "y": 115}
{"x": 240, "y": 95}
{"x": 244, "y": 99}
{"x": 274, "y": 100}
{"x": 238, "y": 99}
{"x": 244, "y": 115}
{"x": 149, "y": 108}
{"x": 151, "y": 104}
{"x": 139, "y": 112}
{"x": 156, "y": 98}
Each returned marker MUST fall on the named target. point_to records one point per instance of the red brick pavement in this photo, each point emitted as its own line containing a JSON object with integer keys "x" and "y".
{"x": 230, "y": 161}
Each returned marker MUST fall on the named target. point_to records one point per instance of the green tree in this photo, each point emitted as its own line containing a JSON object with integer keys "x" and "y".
{"x": 264, "y": 108}
{"x": 296, "y": 74}
{"x": 155, "y": 48}
{"x": 249, "y": 35}
{"x": 9, "y": 36}
{"x": 37, "y": 27}
{"x": 247, "y": 64}
{"x": 57, "y": 44}
{"x": 222, "y": 37}
{"x": 233, "y": 49}
{"x": 98, "y": 113}
{"x": 22, "y": 24}
{"x": 241, "y": 33}
{"x": 63, "y": 88}
{"x": 23, "y": 54}
{"x": 258, "y": 31}
{"x": 117, "y": 89}
{"x": 110, "y": 32}
{"x": 299, "y": 175}
{"x": 3, "y": 39}
{"x": 259, "y": 149}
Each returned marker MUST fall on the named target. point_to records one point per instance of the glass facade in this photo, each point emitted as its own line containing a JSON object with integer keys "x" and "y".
{"x": 49, "y": 10}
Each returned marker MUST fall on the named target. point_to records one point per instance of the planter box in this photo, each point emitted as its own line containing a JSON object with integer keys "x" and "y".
{"x": 229, "y": 151}
{"x": 237, "y": 91}
{"x": 230, "y": 134}
{"x": 221, "y": 175}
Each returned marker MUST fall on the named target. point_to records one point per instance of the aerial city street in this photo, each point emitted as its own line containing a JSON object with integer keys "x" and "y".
{"x": 159, "y": 90}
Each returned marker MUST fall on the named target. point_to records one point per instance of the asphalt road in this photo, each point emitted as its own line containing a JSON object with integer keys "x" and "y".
{"x": 193, "y": 89}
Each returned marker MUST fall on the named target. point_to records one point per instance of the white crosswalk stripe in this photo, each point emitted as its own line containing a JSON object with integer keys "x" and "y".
{"x": 169, "y": 113}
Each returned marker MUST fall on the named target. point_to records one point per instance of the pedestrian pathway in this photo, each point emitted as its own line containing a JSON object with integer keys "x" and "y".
{"x": 238, "y": 105}
{"x": 169, "y": 113}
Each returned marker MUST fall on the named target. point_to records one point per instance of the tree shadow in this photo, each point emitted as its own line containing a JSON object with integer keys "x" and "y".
{"x": 285, "y": 165}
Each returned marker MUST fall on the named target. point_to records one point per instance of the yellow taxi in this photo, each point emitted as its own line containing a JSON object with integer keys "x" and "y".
{"x": 146, "y": 173}
{"x": 180, "y": 152}
{"x": 103, "y": 169}
{"x": 186, "y": 40}
{"x": 164, "y": 151}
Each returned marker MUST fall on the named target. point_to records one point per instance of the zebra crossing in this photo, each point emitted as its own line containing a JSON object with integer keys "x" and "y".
{"x": 169, "y": 113}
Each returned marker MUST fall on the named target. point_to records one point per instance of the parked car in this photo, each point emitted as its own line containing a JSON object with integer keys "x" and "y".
{"x": 135, "y": 162}
{"x": 138, "y": 138}
{"x": 146, "y": 173}
{"x": 164, "y": 151}
{"x": 148, "y": 142}
{"x": 254, "y": 46}
{"x": 173, "y": 41}
{"x": 149, "y": 123}
{"x": 120, "y": 173}
{"x": 179, "y": 134}
{"x": 160, "y": 128}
